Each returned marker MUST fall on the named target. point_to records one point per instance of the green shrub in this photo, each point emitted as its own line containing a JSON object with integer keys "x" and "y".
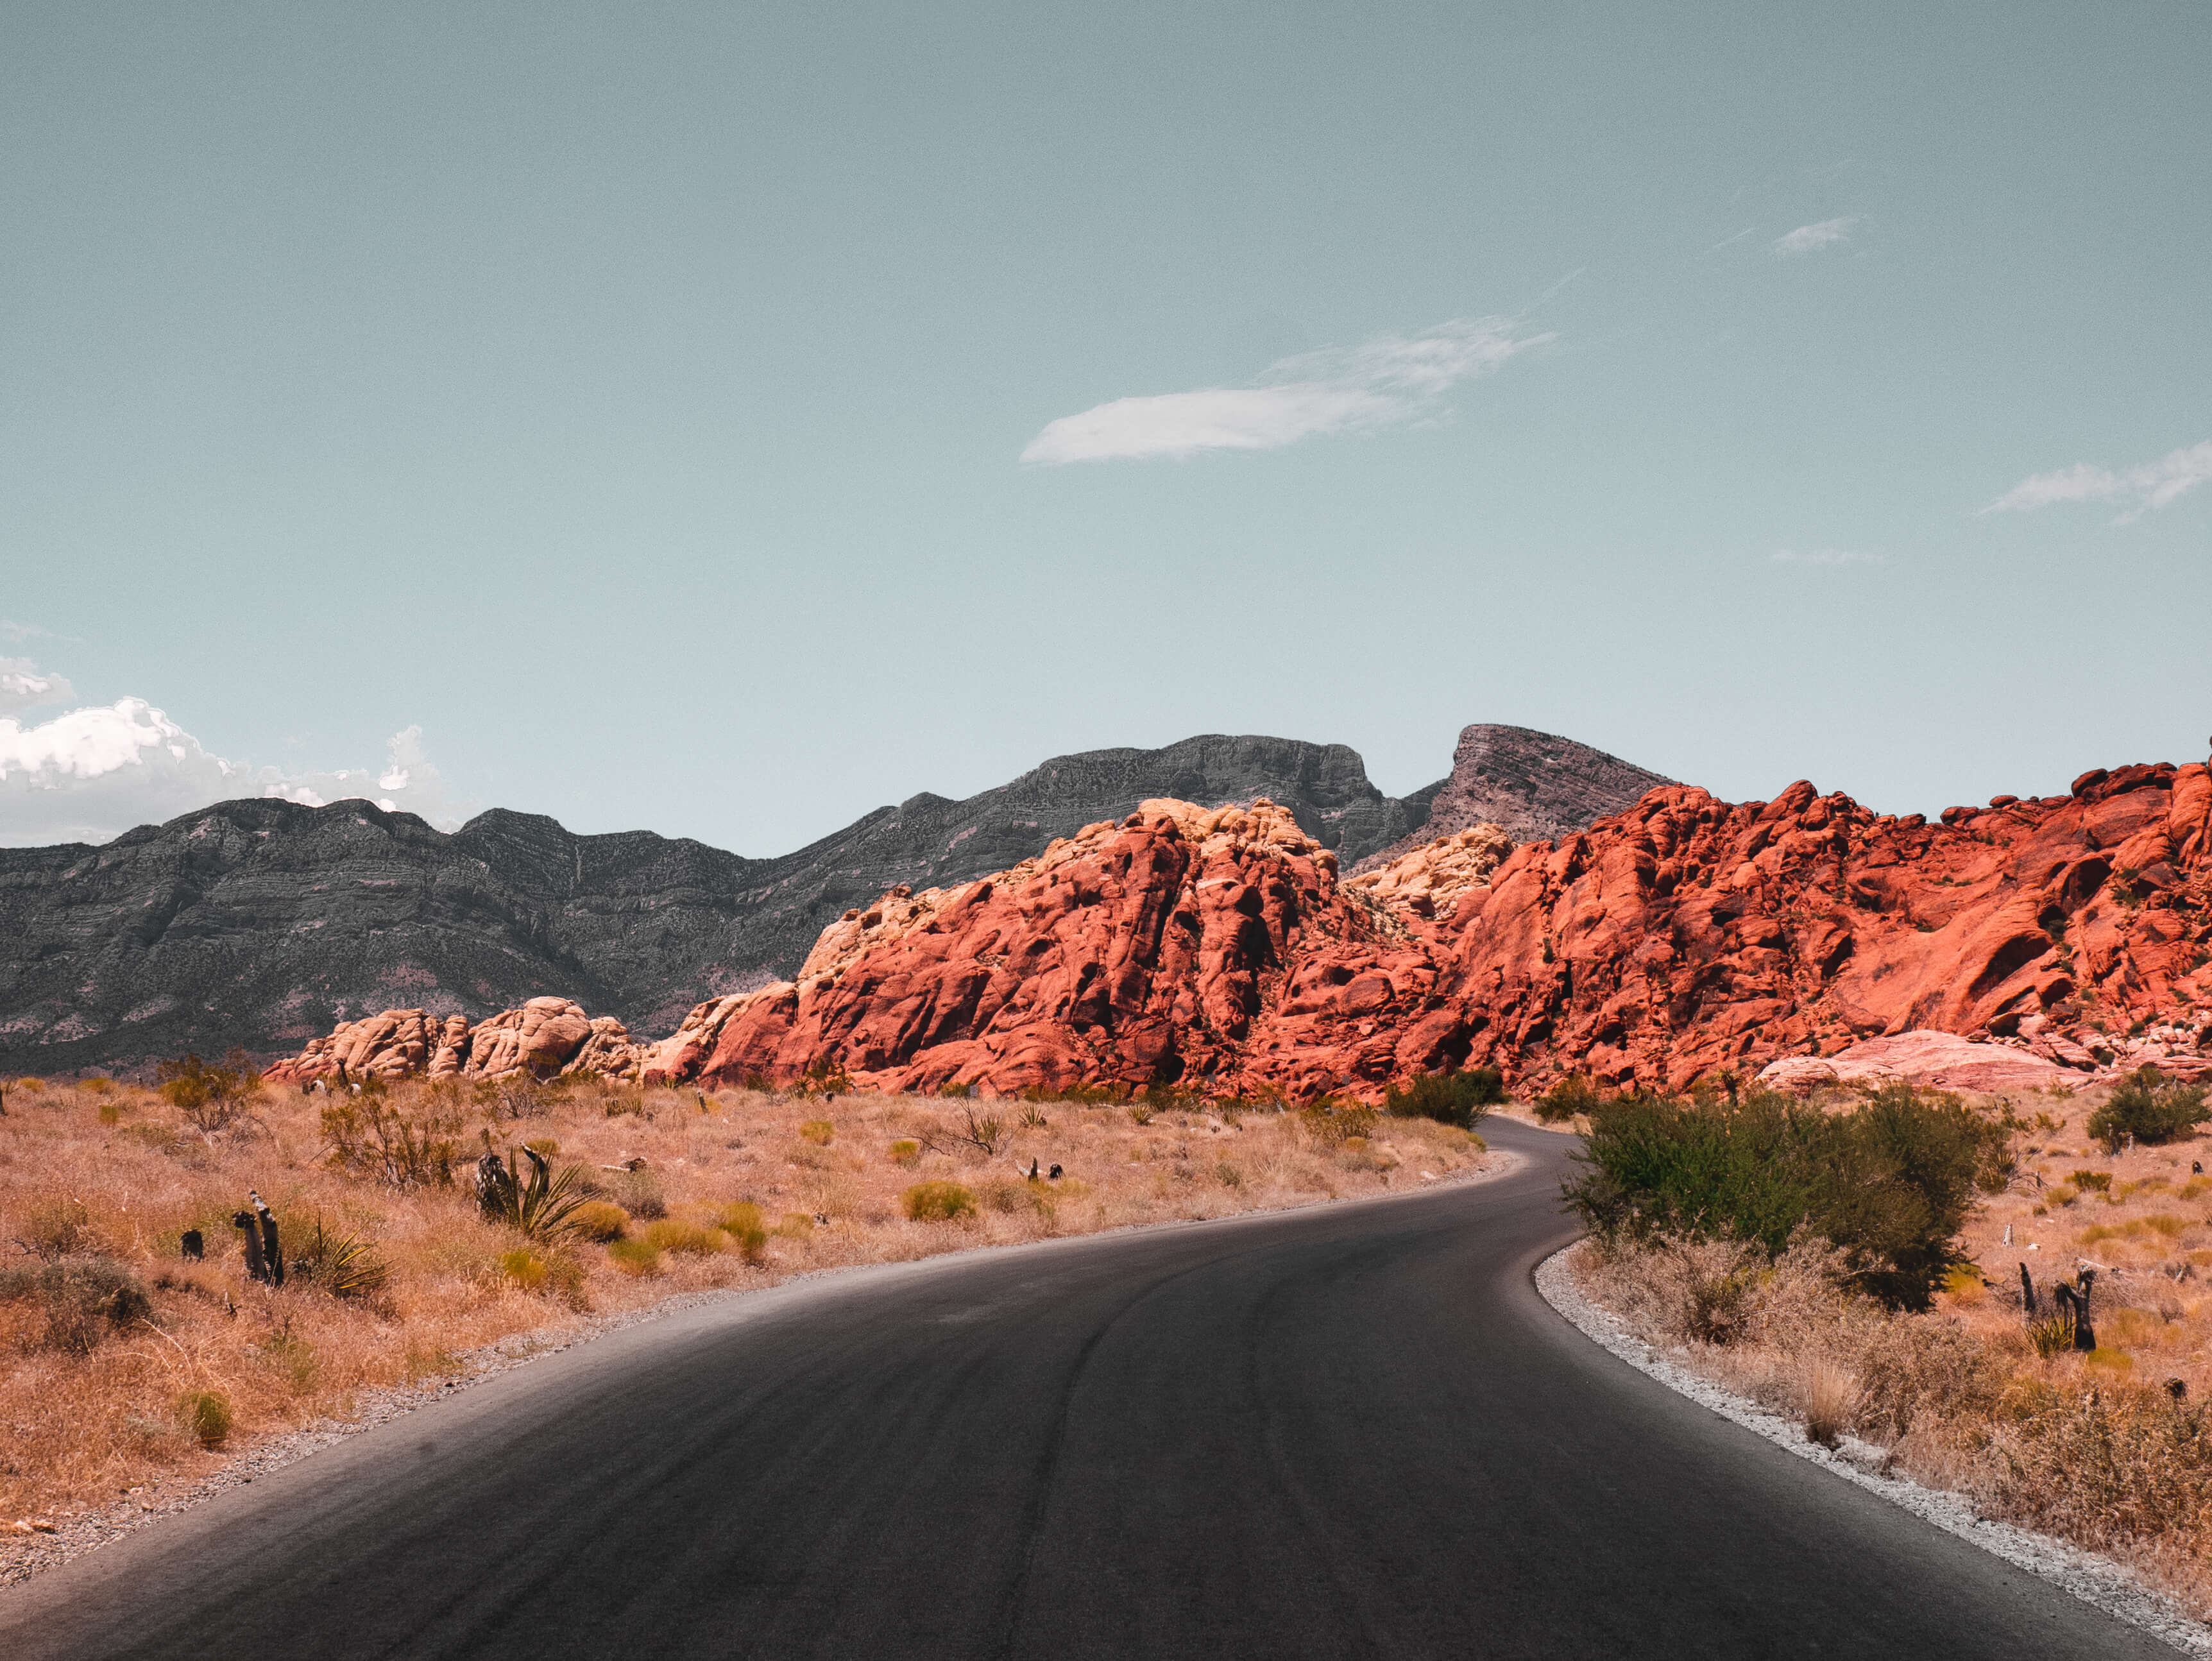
{"x": 1888, "y": 1183}
{"x": 817, "y": 1131}
{"x": 1332, "y": 1124}
{"x": 634, "y": 1256}
{"x": 206, "y": 1416}
{"x": 209, "y": 1096}
{"x": 599, "y": 1222}
{"x": 938, "y": 1203}
{"x": 1573, "y": 1095}
{"x": 1454, "y": 1098}
{"x": 372, "y": 1139}
{"x": 2149, "y": 1107}
{"x": 685, "y": 1239}
{"x": 906, "y": 1152}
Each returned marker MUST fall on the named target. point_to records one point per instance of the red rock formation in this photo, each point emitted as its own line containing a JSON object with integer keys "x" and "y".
{"x": 1685, "y": 938}
{"x": 1179, "y": 944}
{"x": 545, "y": 1036}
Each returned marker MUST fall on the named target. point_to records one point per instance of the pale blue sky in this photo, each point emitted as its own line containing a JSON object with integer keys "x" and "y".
{"x": 633, "y": 398}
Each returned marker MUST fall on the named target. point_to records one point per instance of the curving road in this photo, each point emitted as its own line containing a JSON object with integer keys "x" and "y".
{"x": 1350, "y": 1431}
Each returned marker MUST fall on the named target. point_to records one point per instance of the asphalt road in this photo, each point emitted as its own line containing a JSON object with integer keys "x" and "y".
{"x": 1350, "y": 1431}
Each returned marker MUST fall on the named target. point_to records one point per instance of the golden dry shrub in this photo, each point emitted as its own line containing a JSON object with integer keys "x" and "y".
{"x": 685, "y": 1239}
{"x": 938, "y": 1203}
{"x": 599, "y": 1222}
{"x": 820, "y": 1132}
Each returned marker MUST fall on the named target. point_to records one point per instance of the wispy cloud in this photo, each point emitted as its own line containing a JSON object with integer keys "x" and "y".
{"x": 1386, "y": 383}
{"x": 24, "y": 685}
{"x": 1810, "y": 239}
{"x": 2153, "y": 484}
{"x": 1730, "y": 241}
{"x": 1827, "y": 557}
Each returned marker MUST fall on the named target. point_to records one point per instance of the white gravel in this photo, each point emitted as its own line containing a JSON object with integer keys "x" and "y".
{"x": 2093, "y": 1580}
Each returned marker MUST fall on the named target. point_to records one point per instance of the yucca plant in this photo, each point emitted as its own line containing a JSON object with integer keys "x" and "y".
{"x": 344, "y": 1265}
{"x": 538, "y": 1205}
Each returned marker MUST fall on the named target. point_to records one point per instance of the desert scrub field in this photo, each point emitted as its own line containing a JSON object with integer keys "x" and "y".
{"x": 2110, "y": 1447}
{"x": 131, "y": 1368}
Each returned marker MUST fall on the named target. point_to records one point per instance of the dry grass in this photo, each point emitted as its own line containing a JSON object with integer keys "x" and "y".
{"x": 131, "y": 1369}
{"x": 2097, "y": 1448}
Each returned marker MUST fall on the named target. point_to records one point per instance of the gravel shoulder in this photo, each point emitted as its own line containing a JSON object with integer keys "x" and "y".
{"x": 2096, "y": 1580}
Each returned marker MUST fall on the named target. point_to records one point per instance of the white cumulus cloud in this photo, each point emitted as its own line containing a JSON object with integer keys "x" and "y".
{"x": 90, "y": 774}
{"x": 1385, "y": 383}
{"x": 2139, "y": 489}
{"x": 1809, "y": 239}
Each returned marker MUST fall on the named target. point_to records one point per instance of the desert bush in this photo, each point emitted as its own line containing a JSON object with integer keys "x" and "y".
{"x": 522, "y": 1269}
{"x": 1332, "y": 1122}
{"x": 685, "y": 1239}
{"x": 2149, "y": 1107}
{"x": 1228, "y": 1175}
{"x": 55, "y": 1229}
{"x": 210, "y": 1097}
{"x": 743, "y": 1223}
{"x": 82, "y": 1299}
{"x": 637, "y": 1192}
{"x": 825, "y": 1079}
{"x": 906, "y": 1152}
{"x": 1573, "y": 1095}
{"x": 343, "y": 1264}
{"x": 937, "y": 1203}
{"x": 1889, "y": 1182}
{"x": 206, "y": 1415}
{"x": 598, "y": 1222}
{"x": 1913, "y": 1368}
{"x": 369, "y": 1137}
{"x": 817, "y": 1131}
{"x": 634, "y": 1256}
{"x": 1140, "y": 1113}
{"x": 1830, "y": 1399}
{"x": 1454, "y": 1099}
{"x": 985, "y": 1132}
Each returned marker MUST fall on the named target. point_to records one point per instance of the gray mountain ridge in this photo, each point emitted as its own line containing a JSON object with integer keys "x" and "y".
{"x": 260, "y": 923}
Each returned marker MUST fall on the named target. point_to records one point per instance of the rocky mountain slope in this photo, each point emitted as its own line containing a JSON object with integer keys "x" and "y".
{"x": 262, "y": 923}
{"x": 1533, "y": 786}
{"x": 1688, "y": 938}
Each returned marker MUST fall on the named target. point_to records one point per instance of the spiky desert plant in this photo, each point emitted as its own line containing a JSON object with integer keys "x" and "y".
{"x": 538, "y": 1205}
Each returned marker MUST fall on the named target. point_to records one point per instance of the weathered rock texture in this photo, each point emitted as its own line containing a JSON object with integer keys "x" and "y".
{"x": 1940, "y": 1061}
{"x": 1534, "y": 787}
{"x": 1430, "y": 880}
{"x": 1686, "y": 938}
{"x": 261, "y": 923}
{"x": 545, "y": 1038}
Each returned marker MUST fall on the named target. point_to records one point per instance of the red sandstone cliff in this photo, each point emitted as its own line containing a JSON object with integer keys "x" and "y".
{"x": 1685, "y": 937}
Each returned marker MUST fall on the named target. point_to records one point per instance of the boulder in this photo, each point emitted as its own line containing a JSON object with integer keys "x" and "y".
{"x": 1938, "y": 1061}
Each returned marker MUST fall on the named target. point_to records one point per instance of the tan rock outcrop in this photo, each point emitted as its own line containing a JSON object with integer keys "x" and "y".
{"x": 545, "y": 1037}
{"x": 1430, "y": 881}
